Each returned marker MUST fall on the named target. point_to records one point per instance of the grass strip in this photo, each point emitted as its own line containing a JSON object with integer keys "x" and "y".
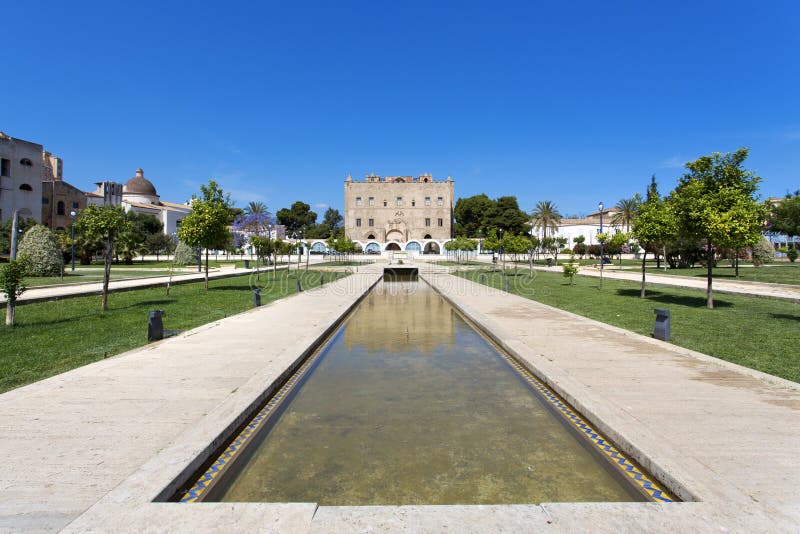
{"x": 56, "y": 336}
{"x": 758, "y": 333}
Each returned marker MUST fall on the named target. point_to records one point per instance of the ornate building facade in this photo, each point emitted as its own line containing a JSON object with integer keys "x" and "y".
{"x": 399, "y": 213}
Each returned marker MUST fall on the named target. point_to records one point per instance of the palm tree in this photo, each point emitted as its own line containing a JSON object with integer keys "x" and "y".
{"x": 256, "y": 208}
{"x": 546, "y": 216}
{"x": 627, "y": 209}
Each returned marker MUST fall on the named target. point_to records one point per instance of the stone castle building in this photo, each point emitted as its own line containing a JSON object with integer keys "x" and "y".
{"x": 399, "y": 213}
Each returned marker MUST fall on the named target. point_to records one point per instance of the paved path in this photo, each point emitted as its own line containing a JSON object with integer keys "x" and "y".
{"x": 41, "y": 293}
{"x": 89, "y": 450}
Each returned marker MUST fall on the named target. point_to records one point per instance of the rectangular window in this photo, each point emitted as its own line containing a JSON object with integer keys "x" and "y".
{"x": 427, "y": 221}
{"x": 358, "y": 222}
{"x": 5, "y": 167}
{"x": 371, "y": 201}
{"x": 371, "y": 223}
{"x": 440, "y": 201}
{"x": 399, "y": 201}
{"x": 413, "y": 203}
{"x": 427, "y": 201}
{"x": 441, "y": 222}
{"x": 384, "y": 203}
{"x": 358, "y": 201}
{"x": 45, "y": 200}
{"x": 75, "y": 205}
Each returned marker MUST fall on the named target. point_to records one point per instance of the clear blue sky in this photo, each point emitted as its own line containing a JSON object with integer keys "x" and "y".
{"x": 571, "y": 102}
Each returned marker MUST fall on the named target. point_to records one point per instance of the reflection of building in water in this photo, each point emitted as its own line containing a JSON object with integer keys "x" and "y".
{"x": 396, "y": 312}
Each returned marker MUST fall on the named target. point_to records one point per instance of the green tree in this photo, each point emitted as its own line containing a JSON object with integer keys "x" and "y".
{"x": 206, "y": 226}
{"x": 763, "y": 252}
{"x": 545, "y": 216}
{"x": 158, "y": 244}
{"x": 784, "y": 217}
{"x": 716, "y": 202}
{"x": 506, "y": 215}
{"x": 12, "y": 283}
{"x": 102, "y": 223}
{"x": 471, "y": 213}
{"x": 298, "y": 218}
{"x": 331, "y": 225}
{"x": 626, "y": 212}
{"x": 40, "y": 250}
{"x": 256, "y": 208}
{"x": 654, "y": 226}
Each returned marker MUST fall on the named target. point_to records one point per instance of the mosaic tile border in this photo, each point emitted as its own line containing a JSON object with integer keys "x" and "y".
{"x": 629, "y": 468}
{"x": 231, "y": 452}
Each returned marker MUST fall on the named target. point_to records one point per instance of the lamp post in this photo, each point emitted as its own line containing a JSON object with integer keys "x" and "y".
{"x": 502, "y": 256}
{"x": 600, "y": 207}
{"x": 299, "y": 250}
{"x": 72, "y": 215}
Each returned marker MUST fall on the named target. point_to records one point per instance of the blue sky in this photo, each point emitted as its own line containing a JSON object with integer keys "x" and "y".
{"x": 571, "y": 102}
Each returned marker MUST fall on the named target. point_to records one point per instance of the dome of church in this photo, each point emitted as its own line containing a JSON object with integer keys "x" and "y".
{"x": 139, "y": 185}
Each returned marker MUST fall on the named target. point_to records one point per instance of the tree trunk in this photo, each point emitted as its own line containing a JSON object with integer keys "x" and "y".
{"x": 106, "y": 272}
{"x": 709, "y": 263}
{"x": 206, "y": 270}
{"x": 737, "y": 263}
{"x": 644, "y": 260}
{"x": 10, "y": 305}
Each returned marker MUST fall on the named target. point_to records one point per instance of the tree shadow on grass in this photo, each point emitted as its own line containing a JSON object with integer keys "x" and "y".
{"x": 786, "y": 316}
{"x": 242, "y": 287}
{"x": 678, "y": 300}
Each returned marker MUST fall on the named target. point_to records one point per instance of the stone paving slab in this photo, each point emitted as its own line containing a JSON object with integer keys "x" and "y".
{"x": 71, "y": 439}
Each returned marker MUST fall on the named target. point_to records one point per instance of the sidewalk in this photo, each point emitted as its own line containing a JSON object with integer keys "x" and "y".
{"x": 44, "y": 293}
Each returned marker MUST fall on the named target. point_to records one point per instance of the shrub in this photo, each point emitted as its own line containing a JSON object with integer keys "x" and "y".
{"x": 570, "y": 270}
{"x": 184, "y": 254}
{"x": 791, "y": 254}
{"x": 579, "y": 249}
{"x": 763, "y": 252}
{"x": 40, "y": 251}
{"x": 565, "y": 251}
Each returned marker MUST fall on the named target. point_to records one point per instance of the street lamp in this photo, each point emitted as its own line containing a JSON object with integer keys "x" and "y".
{"x": 600, "y": 207}
{"x": 72, "y": 215}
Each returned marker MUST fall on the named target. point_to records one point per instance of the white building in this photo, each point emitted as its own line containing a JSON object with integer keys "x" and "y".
{"x": 140, "y": 195}
{"x": 21, "y": 173}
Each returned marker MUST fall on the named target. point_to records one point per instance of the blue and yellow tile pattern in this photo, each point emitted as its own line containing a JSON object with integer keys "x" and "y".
{"x": 212, "y": 473}
{"x": 629, "y": 468}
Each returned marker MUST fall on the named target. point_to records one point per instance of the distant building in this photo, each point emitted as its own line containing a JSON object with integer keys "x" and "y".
{"x": 399, "y": 213}
{"x": 140, "y": 195}
{"x": 59, "y": 201}
{"x": 21, "y": 172}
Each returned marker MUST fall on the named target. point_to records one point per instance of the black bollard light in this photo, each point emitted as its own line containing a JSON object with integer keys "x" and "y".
{"x": 299, "y": 287}
{"x": 256, "y": 297}
{"x": 506, "y": 284}
{"x": 321, "y": 279}
{"x": 661, "y": 327}
{"x": 155, "y": 326}
{"x": 483, "y": 279}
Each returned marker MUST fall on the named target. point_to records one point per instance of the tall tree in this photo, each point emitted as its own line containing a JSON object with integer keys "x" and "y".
{"x": 784, "y": 217}
{"x": 207, "y": 224}
{"x": 626, "y": 211}
{"x": 506, "y": 215}
{"x": 545, "y": 216}
{"x": 102, "y": 223}
{"x": 297, "y": 218}
{"x": 654, "y": 225}
{"x": 470, "y": 214}
{"x": 716, "y": 202}
{"x": 256, "y": 208}
{"x": 331, "y": 225}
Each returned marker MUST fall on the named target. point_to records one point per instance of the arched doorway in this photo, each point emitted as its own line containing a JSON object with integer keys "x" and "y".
{"x": 395, "y": 235}
{"x": 372, "y": 248}
{"x": 393, "y": 246}
{"x": 318, "y": 248}
{"x": 432, "y": 247}
{"x": 413, "y": 246}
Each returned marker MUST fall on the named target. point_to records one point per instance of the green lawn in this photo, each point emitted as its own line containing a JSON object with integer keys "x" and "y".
{"x": 53, "y": 337}
{"x": 448, "y": 263}
{"x": 759, "y": 333}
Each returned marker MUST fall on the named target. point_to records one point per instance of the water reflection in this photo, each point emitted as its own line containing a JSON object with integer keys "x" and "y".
{"x": 409, "y": 405}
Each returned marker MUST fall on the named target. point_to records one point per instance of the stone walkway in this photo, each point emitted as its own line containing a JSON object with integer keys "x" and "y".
{"x": 89, "y": 450}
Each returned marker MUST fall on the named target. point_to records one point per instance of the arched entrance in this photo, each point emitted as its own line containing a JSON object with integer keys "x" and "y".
{"x": 395, "y": 235}
{"x": 372, "y": 248}
{"x": 413, "y": 246}
{"x": 392, "y": 246}
{"x": 432, "y": 247}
